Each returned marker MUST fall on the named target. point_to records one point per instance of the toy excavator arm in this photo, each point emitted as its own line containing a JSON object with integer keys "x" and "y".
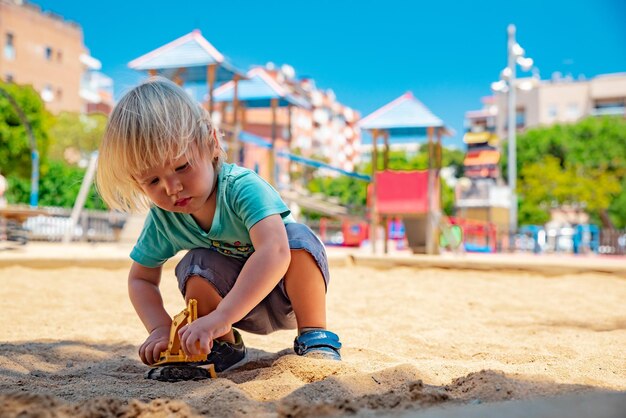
{"x": 174, "y": 354}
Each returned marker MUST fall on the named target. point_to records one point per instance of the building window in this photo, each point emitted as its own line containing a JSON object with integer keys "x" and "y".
{"x": 59, "y": 93}
{"x": 48, "y": 53}
{"x": 47, "y": 94}
{"x": 553, "y": 111}
{"x": 520, "y": 118}
{"x": 9, "y": 47}
{"x": 59, "y": 56}
{"x": 9, "y": 78}
{"x": 614, "y": 106}
{"x": 573, "y": 111}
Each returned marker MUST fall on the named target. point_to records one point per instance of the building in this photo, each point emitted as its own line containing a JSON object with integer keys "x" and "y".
{"x": 563, "y": 100}
{"x": 483, "y": 145}
{"x": 311, "y": 123}
{"x": 483, "y": 195}
{"x": 46, "y": 51}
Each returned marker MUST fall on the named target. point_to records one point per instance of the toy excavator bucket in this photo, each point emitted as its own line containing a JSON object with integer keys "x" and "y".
{"x": 174, "y": 365}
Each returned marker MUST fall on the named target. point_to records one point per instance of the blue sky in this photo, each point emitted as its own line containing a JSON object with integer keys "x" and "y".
{"x": 447, "y": 53}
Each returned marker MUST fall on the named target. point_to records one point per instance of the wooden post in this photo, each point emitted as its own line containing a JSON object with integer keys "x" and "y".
{"x": 374, "y": 211}
{"x": 242, "y": 111}
{"x": 289, "y": 124}
{"x": 385, "y": 217}
{"x": 439, "y": 166}
{"x": 233, "y": 149}
{"x": 386, "y": 154}
{"x": 430, "y": 239}
{"x": 210, "y": 76}
{"x": 289, "y": 141}
{"x": 176, "y": 78}
{"x": 272, "y": 153}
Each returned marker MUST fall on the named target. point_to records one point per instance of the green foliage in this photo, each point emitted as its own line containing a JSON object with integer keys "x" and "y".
{"x": 582, "y": 164}
{"x": 447, "y": 198}
{"x": 350, "y": 191}
{"x": 74, "y": 136}
{"x": 59, "y": 182}
{"x": 15, "y": 147}
{"x": 59, "y": 185}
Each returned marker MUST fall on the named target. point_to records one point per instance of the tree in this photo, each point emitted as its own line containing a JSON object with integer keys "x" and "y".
{"x": 75, "y": 136}
{"x": 546, "y": 184}
{"x": 15, "y": 147}
{"x": 59, "y": 186}
{"x": 582, "y": 164}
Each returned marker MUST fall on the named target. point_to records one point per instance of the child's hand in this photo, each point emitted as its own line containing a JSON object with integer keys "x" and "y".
{"x": 150, "y": 350}
{"x": 197, "y": 337}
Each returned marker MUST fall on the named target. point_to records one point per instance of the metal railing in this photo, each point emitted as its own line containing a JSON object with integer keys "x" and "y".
{"x": 612, "y": 242}
{"x": 92, "y": 226}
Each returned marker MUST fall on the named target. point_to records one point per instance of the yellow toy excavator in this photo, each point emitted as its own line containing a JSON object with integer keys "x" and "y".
{"x": 174, "y": 365}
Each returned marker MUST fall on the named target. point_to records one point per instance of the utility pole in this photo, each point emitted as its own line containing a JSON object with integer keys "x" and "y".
{"x": 512, "y": 126}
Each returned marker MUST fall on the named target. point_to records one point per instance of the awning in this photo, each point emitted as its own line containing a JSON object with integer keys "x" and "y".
{"x": 486, "y": 157}
{"x": 480, "y": 137}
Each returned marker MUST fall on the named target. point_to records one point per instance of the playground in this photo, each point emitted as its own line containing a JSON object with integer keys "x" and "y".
{"x": 415, "y": 339}
{"x": 433, "y": 315}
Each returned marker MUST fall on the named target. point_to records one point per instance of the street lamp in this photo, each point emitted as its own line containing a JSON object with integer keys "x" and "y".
{"x": 507, "y": 84}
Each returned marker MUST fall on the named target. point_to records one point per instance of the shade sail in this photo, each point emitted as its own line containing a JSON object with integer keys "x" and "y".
{"x": 258, "y": 91}
{"x": 187, "y": 57}
{"x": 404, "y": 116}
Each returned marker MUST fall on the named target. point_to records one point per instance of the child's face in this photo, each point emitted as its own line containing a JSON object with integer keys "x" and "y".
{"x": 179, "y": 186}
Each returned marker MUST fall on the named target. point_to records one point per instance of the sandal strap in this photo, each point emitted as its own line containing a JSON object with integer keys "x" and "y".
{"x": 316, "y": 339}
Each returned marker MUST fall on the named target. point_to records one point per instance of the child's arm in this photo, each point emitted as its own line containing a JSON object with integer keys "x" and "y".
{"x": 143, "y": 289}
{"x": 260, "y": 274}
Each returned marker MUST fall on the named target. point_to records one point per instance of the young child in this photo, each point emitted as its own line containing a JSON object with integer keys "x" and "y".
{"x": 249, "y": 264}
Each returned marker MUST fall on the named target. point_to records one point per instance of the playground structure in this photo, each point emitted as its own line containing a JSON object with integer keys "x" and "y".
{"x": 192, "y": 59}
{"x": 260, "y": 90}
{"x": 412, "y": 196}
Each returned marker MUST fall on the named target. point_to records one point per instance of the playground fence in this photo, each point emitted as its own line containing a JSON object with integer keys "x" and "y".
{"x": 92, "y": 226}
{"x": 612, "y": 242}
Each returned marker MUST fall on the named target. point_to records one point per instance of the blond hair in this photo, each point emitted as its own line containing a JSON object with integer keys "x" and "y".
{"x": 152, "y": 124}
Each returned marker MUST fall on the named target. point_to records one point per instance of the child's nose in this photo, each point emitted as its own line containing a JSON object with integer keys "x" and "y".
{"x": 173, "y": 186}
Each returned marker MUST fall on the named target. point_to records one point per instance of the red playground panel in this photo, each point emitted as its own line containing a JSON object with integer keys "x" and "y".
{"x": 402, "y": 192}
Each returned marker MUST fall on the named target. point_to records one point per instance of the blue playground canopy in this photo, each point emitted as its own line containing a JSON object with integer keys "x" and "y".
{"x": 187, "y": 57}
{"x": 258, "y": 91}
{"x": 404, "y": 116}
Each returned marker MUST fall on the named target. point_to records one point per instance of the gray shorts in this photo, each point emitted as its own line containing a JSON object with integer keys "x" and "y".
{"x": 274, "y": 312}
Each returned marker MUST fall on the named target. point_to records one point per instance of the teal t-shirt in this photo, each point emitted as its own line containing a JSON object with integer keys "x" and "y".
{"x": 243, "y": 199}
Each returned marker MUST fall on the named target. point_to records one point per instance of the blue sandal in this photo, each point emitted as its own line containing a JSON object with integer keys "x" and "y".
{"x": 318, "y": 343}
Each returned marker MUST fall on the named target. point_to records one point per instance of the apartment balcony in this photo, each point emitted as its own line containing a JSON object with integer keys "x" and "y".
{"x": 476, "y": 193}
{"x": 609, "y": 111}
{"x": 481, "y": 137}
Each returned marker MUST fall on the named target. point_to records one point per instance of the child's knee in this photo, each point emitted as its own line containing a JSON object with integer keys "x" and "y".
{"x": 204, "y": 292}
{"x": 299, "y": 255}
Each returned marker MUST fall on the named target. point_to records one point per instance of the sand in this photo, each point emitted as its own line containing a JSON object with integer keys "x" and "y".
{"x": 413, "y": 339}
